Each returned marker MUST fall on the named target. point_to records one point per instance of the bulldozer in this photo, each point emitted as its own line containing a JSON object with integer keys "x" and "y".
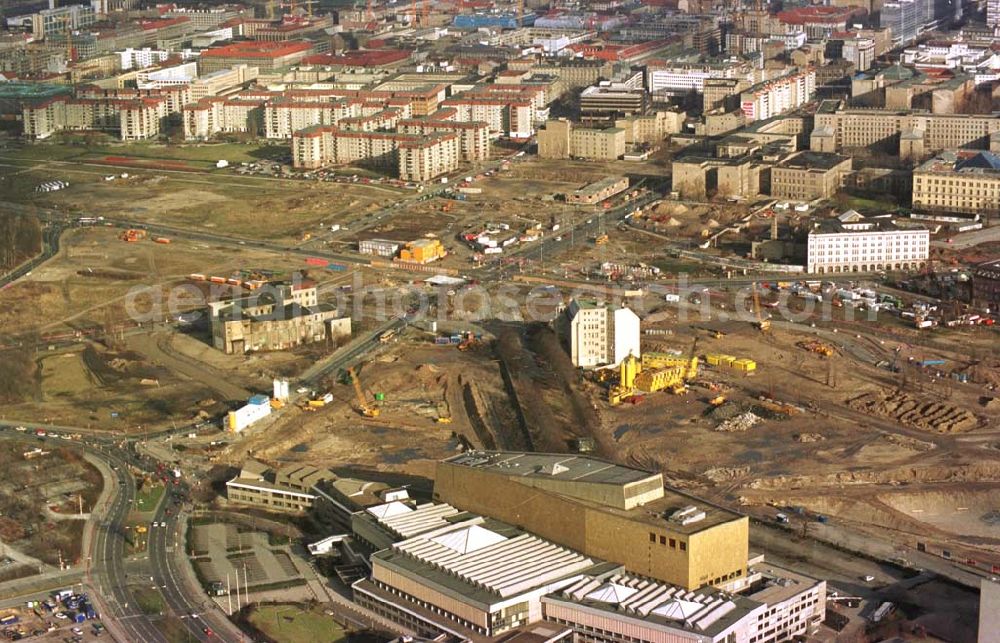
{"x": 814, "y": 346}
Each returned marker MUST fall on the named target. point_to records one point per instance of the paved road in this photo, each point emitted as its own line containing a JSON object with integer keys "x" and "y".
{"x": 156, "y": 346}
{"x": 969, "y": 239}
{"x": 50, "y": 246}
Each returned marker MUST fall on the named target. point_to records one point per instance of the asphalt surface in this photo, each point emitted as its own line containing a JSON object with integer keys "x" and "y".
{"x": 50, "y": 246}
{"x": 108, "y": 570}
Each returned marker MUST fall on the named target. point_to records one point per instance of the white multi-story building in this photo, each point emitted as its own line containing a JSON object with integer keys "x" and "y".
{"x": 860, "y": 51}
{"x": 600, "y": 334}
{"x": 141, "y": 58}
{"x": 680, "y": 78}
{"x": 774, "y": 97}
{"x": 852, "y": 243}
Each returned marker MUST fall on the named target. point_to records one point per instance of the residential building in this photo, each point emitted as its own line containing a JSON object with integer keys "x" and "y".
{"x": 598, "y": 191}
{"x": 603, "y": 510}
{"x": 278, "y": 316}
{"x": 774, "y": 97}
{"x": 959, "y": 181}
{"x": 805, "y": 176}
{"x": 133, "y": 118}
{"x": 288, "y": 489}
{"x": 986, "y": 293}
{"x": 561, "y": 140}
{"x": 599, "y": 334}
{"x": 852, "y": 243}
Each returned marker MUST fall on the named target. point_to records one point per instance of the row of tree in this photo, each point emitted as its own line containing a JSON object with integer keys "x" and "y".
{"x": 20, "y": 239}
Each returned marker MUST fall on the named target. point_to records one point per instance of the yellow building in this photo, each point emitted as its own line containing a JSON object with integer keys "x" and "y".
{"x": 422, "y": 251}
{"x": 809, "y": 175}
{"x": 961, "y": 181}
{"x": 605, "y": 510}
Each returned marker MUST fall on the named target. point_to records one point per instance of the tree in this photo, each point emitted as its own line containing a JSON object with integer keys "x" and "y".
{"x": 20, "y": 239}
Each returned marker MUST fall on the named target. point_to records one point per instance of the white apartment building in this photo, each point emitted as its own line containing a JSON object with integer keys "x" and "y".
{"x": 600, "y": 334}
{"x": 851, "y": 243}
{"x": 284, "y": 116}
{"x": 773, "y": 97}
{"x": 142, "y": 58}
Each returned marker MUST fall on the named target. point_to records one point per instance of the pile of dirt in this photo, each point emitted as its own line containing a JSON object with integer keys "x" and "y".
{"x": 909, "y": 411}
{"x": 908, "y": 442}
{"x": 809, "y": 437}
{"x": 726, "y": 474}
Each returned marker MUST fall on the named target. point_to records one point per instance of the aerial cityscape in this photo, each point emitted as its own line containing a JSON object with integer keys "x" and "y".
{"x": 520, "y": 321}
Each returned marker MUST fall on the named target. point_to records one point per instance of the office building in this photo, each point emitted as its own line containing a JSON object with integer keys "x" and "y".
{"x": 266, "y": 56}
{"x": 959, "y": 181}
{"x": 907, "y": 133}
{"x": 853, "y": 243}
{"x": 805, "y": 176}
{"x": 599, "y": 334}
{"x": 289, "y": 489}
{"x": 560, "y": 139}
{"x": 605, "y": 102}
{"x": 379, "y": 247}
{"x": 603, "y": 510}
{"x": 650, "y": 129}
{"x": 678, "y": 79}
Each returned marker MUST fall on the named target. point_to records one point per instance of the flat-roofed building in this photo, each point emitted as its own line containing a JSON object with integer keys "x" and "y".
{"x": 428, "y": 157}
{"x": 599, "y": 334}
{"x": 607, "y": 101}
{"x": 911, "y": 134}
{"x": 618, "y": 607}
{"x": 266, "y": 56}
{"x": 805, "y": 176}
{"x": 959, "y": 181}
{"x": 259, "y": 485}
{"x": 475, "y": 579}
{"x": 604, "y": 510}
{"x": 986, "y": 285}
{"x": 560, "y": 139}
{"x": 598, "y": 191}
{"x": 853, "y": 243}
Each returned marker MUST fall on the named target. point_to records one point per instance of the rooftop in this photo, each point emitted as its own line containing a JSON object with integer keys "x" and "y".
{"x": 963, "y": 161}
{"x": 599, "y": 186}
{"x": 484, "y": 560}
{"x": 813, "y": 161}
{"x": 705, "y": 611}
{"x": 406, "y": 520}
{"x": 258, "y": 49}
{"x": 549, "y": 466}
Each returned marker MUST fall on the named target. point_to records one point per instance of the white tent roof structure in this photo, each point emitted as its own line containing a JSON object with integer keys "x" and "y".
{"x": 612, "y": 593}
{"x": 389, "y": 509}
{"x": 679, "y": 610}
{"x": 468, "y": 540}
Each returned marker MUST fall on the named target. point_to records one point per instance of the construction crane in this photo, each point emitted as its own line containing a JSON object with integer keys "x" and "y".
{"x": 364, "y": 408}
{"x": 761, "y": 324}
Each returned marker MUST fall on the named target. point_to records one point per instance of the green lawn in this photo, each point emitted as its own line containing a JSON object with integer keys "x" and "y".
{"x": 149, "y": 600}
{"x": 205, "y": 153}
{"x": 149, "y": 497}
{"x": 292, "y": 624}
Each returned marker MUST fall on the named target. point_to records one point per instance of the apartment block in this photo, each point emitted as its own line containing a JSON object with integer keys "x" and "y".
{"x": 427, "y": 157}
{"x": 958, "y": 181}
{"x": 473, "y": 137}
{"x": 514, "y": 118}
{"x": 774, "y": 97}
{"x": 133, "y": 119}
{"x": 561, "y": 140}
{"x": 598, "y": 334}
{"x": 805, "y": 176}
{"x": 852, "y": 243}
{"x": 211, "y": 116}
{"x": 284, "y": 116}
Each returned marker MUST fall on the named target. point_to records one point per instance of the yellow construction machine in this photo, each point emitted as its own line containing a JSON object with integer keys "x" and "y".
{"x": 364, "y": 408}
{"x": 762, "y": 324}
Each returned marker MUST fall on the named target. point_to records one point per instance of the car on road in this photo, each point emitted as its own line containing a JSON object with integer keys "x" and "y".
{"x": 77, "y": 631}
{"x": 207, "y": 630}
{"x": 868, "y": 578}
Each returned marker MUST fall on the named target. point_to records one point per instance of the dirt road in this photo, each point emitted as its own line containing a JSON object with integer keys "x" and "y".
{"x": 155, "y": 346}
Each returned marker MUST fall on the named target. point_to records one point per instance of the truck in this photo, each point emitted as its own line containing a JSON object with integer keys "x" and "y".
{"x": 327, "y": 398}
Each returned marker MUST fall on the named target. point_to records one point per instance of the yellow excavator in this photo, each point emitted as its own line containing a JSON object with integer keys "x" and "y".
{"x": 761, "y": 324}
{"x": 364, "y": 408}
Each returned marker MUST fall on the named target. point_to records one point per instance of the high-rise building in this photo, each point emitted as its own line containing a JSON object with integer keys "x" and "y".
{"x": 600, "y": 334}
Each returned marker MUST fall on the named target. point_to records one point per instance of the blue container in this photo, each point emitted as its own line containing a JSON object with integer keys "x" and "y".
{"x": 258, "y": 399}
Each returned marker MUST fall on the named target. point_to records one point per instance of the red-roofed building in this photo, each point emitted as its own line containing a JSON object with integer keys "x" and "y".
{"x": 818, "y": 21}
{"x": 266, "y": 56}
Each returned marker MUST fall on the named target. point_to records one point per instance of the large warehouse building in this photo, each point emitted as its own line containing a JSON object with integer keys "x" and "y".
{"x": 603, "y": 510}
